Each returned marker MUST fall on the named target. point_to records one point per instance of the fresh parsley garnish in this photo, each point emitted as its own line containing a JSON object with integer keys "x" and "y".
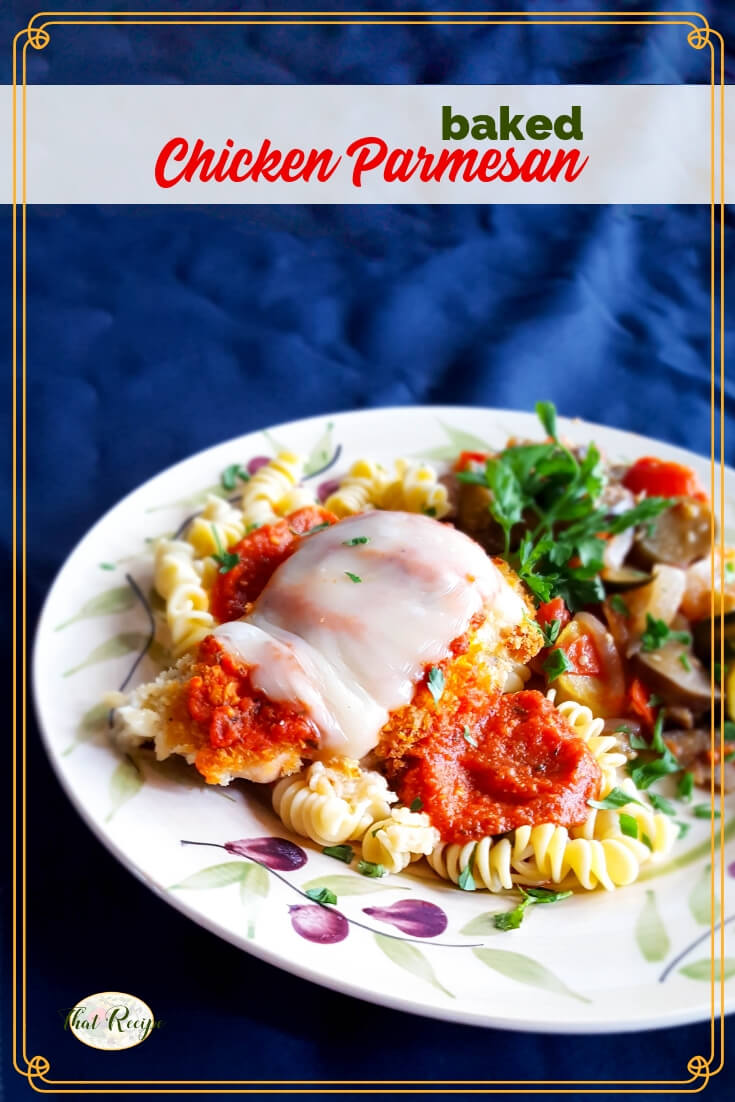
{"x": 225, "y": 559}
{"x": 684, "y": 828}
{"x": 645, "y": 774}
{"x": 467, "y": 736}
{"x": 231, "y": 474}
{"x": 616, "y": 798}
{"x": 356, "y": 541}
{"x": 322, "y": 895}
{"x": 646, "y": 841}
{"x": 316, "y": 528}
{"x": 371, "y": 869}
{"x": 353, "y": 577}
{"x": 704, "y": 811}
{"x": 628, "y": 825}
{"x": 466, "y": 880}
{"x": 685, "y": 786}
{"x": 435, "y": 683}
{"x": 511, "y": 920}
{"x": 556, "y": 664}
{"x": 657, "y": 633}
{"x": 341, "y": 853}
{"x": 550, "y": 632}
{"x": 684, "y": 662}
{"x": 416, "y": 804}
{"x": 618, "y": 605}
{"x": 729, "y": 572}
{"x": 662, "y": 804}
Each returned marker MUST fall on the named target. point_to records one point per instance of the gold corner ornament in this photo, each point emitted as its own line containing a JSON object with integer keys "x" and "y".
{"x": 38, "y": 1066}
{"x": 698, "y": 38}
{"x": 700, "y": 1068}
{"x": 38, "y": 37}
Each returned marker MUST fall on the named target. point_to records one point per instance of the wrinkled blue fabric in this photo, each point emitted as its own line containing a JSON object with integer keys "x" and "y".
{"x": 154, "y": 332}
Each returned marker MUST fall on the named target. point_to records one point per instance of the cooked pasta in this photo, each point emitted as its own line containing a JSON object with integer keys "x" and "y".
{"x": 219, "y": 525}
{"x": 361, "y": 489}
{"x": 589, "y": 729}
{"x": 331, "y": 803}
{"x": 404, "y": 837}
{"x": 415, "y": 488}
{"x": 178, "y": 579}
{"x": 263, "y": 495}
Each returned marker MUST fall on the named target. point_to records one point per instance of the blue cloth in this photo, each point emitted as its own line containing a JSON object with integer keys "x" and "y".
{"x": 154, "y": 332}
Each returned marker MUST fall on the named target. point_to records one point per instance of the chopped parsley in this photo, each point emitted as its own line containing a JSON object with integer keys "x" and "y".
{"x": 322, "y": 895}
{"x": 369, "y": 868}
{"x": 353, "y": 577}
{"x": 616, "y": 798}
{"x": 556, "y": 664}
{"x": 310, "y": 531}
{"x": 467, "y": 736}
{"x": 435, "y": 683}
{"x": 685, "y": 786}
{"x": 550, "y": 632}
{"x": 225, "y": 559}
{"x": 684, "y": 828}
{"x": 662, "y": 804}
{"x": 729, "y": 573}
{"x": 416, "y": 804}
{"x": 684, "y": 662}
{"x": 341, "y": 853}
{"x": 356, "y": 541}
{"x": 628, "y": 825}
{"x": 511, "y": 920}
{"x": 618, "y": 605}
{"x": 466, "y": 880}
{"x": 646, "y": 841}
{"x": 231, "y": 474}
{"x": 704, "y": 811}
{"x": 645, "y": 774}
{"x": 658, "y": 632}
{"x": 430, "y": 511}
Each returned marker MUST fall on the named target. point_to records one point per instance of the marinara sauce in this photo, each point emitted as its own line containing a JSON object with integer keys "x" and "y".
{"x": 259, "y": 554}
{"x": 518, "y": 763}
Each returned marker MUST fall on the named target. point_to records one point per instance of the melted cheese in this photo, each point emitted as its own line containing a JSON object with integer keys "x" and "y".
{"x": 346, "y": 653}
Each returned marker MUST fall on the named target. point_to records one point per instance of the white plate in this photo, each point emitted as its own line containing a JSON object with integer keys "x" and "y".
{"x": 631, "y": 959}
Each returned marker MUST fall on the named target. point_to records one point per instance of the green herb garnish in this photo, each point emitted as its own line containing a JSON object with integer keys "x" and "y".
{"x": 341, "y": 853}
{"x": 107, "y": 566}
{"x": 467, "y": 736}
{"x": 356, "y": 541}
{"x": 684, "y": 662}
{"x": 369, "y": 868}
{"x": 646, "y": 841}
{"x": 511, "y": 920}
{"x": 550, "y": 632}
{"x": 466, "y": 880}
{"x": 231, "y": 474}
{"x": 416, "y": 804}
{"x": 322, "y": 895}
{"x": 661, "y": 804}
{"x": 225, "y": 559}
{"x": 685, "y": 786}
{"x": 353, "y": 577}
{"x": 435, "y": 683}
{"x": 310, "y": 531}
{"x": 618, "y": 605}
{"x": 616, "y": 798}
{"x": 684, "y": 828}
{"x": 729, "y": 572}
{"x": 628, "y": 825}
{"x": 704, "y": 811}
{"x": 556, "y": 664}
{"x": 657, "y": 633}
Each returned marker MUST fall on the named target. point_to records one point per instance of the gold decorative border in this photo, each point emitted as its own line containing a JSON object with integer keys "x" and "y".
{"x": 36, "y": 35}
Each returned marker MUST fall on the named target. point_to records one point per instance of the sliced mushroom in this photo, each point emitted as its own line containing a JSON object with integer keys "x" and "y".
{"x": 686, "y": 746}
{"x": 679, "y": 536}
{"x": 619, "y": 578}
{"x": 685, "y": 684}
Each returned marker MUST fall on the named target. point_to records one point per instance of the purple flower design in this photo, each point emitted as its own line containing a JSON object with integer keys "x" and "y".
{"x": 275, "y": 853}
{"x": 322, "y": 925}
{"x": 414, "y": 917}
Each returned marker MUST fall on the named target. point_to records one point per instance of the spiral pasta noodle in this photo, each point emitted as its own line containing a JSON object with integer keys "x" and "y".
{"x": 361, "y": 489}
{"x": 602, "y": 747}
{"x": 332, "y": 803}
{"x": 219, "y": 525}
{"x": 404, "y": 837}
{"x": 263, "y": 495}
{"x": 415, "y": 488}
{"x": 178, "y": 579}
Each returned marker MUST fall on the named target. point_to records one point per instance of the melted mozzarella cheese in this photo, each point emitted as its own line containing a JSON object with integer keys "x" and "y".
{"x": 347, "y": 652}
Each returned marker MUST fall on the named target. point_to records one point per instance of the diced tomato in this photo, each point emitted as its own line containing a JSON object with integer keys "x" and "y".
{"x": 553, "y": 610}
{"x": 582, "y": 653}
{"x": 638, "y": 696}
{"x": 466, "y": 459}
{"x": 658, "y": 478}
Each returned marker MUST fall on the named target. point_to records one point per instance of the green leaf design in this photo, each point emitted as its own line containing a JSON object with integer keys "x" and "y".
{"x": 116, "y": 647}
{"x": 650, "y": 932}
{"x": 692, "y": 855}
{"x": 118, "y": 599}
{"x": 214, "y": 876}
{"x": 480, "y": 925}
{"x": 700, "y": 898}
{"x": 125, "y": 782}
{"x": 702, "y": 969}
{"x": 275, "y": 445}
{"x": 90, "y": 724}
{"x": 460, "y": 441}
{"x": 322, "y": 451}
{"x": 199, "y": 498}
{"x": 348, "y": 885}
{"x": 254, "y": 882}
{"x": 524, "y": 969}
{"x": 407, "y": 956}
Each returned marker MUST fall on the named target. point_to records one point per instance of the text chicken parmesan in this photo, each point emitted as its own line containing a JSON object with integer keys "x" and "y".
{"x": 475, "y": 669}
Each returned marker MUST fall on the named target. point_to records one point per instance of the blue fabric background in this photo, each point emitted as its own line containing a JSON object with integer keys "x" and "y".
{"x": 154, "y": 332}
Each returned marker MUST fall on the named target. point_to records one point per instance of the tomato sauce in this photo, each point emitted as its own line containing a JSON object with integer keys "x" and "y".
{"x": 527, "y": 767}
{"x": 222, "y": 702}
{"x": 259, "y": 554}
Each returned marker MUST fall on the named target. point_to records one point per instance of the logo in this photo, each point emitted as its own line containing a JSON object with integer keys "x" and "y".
{"x": 111, "y": 1020}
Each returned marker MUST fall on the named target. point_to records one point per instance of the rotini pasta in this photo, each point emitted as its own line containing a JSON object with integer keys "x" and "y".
{"x": 404, "y": 837}
{"x": 218, "y": 525}
{"x": 361, "y": 489}
{"x": 415, "y": 488}
{"x": 263, "y": 496}
{"x": 589, "y": 728}
{"x": 178, "y": 579}
{"x": 331, "y": 803}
